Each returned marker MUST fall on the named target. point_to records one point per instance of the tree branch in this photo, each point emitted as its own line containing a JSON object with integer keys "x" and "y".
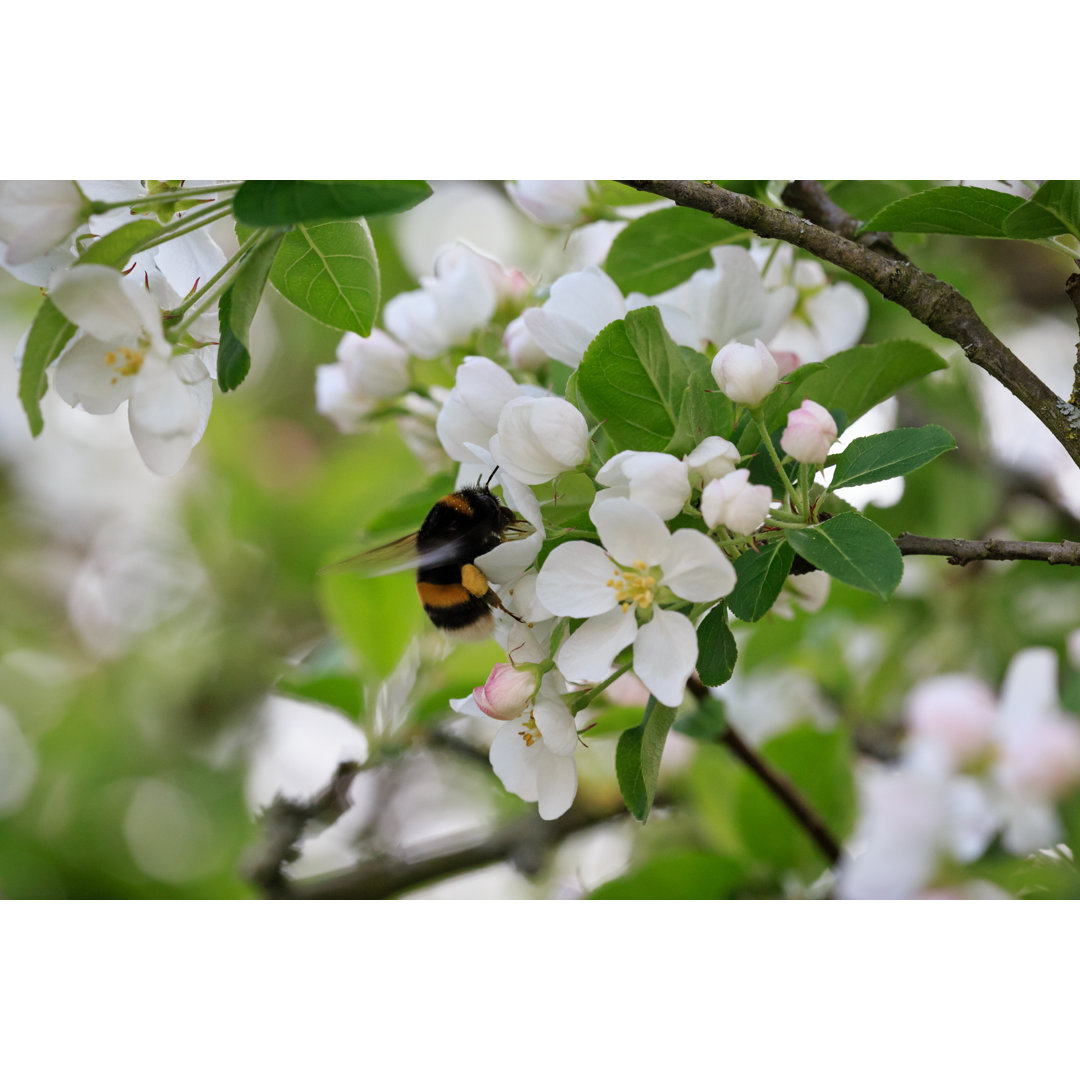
{"x": 282, "y": 827}
{"x": 785, "y": 791}
{"x": 934, "y": 303}
{"x": 813, "y": 202}
{"x": 1072, "y": 290}
{"x": 962, "y": 552}
{"x": 525, "y": 842}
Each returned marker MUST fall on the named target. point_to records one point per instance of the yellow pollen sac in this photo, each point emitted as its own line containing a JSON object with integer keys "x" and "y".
{"x": 530, "y": 734}
{"x": 133, "y": 360}
{"x": 633, "y": 586}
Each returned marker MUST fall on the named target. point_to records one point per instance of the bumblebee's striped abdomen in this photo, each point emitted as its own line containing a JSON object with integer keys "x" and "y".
{"x": 453, "y": 608}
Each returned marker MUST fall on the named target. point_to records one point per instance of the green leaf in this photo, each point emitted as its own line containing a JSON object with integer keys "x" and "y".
{"x": 851, "y": 382}
{"x": 864, "y": 198}
{"x": 330, "y": 271}
{"x": 761, "y": 575}
{"x": 233, "y": 358}
{"x": 716, "y": 648}
{"x": 249, "y": 284}
{"x": 293, "y": 202}
{"x": 633, "y": 377}
{"x": 660, "y": 250}
{"x": 236, "y": 310}
{"x": 703, "y": 410}
{"x": 637, "y": 758}
{"x": 892, "y": 453}
{"x": 676, "y": 875}
{"x": 51, "y": 331}
{"x": 957, "y": 211}
{"x": 854, "y": 550}
{"x": 1053, "y": 209}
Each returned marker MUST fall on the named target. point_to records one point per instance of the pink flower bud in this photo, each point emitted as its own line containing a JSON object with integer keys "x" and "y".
{"x": 734, "y": 502}
{"x": 508, "y": 690}
{"x": 809, "y": 433}
{"x": 1043, "y": 758}
{"x": 747, "y": 374}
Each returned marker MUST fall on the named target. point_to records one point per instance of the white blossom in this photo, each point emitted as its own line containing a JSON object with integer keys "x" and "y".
{"x": 713, "y": 457}
{"x": 37, "y": 216}
{"x": 658, "y": 481}
{"x": 122, "y": 356}
{"x": 561, "y": 203}
{"x": 449, "y": 307}
{"x": 612, "y": 586}
{"x": 538, "y": 438}
{"x": 579, "y": 306}
{"x": 735, "y": 503}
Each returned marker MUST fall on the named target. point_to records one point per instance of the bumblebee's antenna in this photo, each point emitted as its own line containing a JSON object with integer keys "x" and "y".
{"x": 492, "y": 476}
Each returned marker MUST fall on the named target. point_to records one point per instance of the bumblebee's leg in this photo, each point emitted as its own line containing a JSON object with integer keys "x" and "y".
{"x": 472, "y": 577}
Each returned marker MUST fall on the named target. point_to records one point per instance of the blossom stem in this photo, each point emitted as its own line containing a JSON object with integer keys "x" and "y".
{"x": 192, "y": 223}
{"x": 197, "y": 303}
{"x": 586, "y": 698}
{"x": 172, "y": 195}
{"x": 804, "y": 490}
{"x": 759, "y": 419}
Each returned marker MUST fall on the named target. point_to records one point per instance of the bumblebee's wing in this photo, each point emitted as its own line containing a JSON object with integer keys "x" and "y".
{"x": 396, "y": 556}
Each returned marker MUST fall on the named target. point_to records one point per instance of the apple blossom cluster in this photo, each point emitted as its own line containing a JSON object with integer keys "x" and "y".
{"x": 974, "y": 767}
{"x": 122, "y": 350}
{"x": 624, "y": 583}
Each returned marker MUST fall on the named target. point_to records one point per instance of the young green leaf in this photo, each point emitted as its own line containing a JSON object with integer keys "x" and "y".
{"x": 716, "y": 648}
{"x": 703, "y": 411}
{"x": 854, "y": 550}
{"x": 330, "y": 271}
{"x": 51, "y": 331}
{"x": 233, "y": 358}
{"x": 634, "y": 376}
{"x": 957, "y": 211}
{"x": 295, "y": 202}
{"x": 677, "y": 875}
{"x": 761, "y": 575}
{"x": 1053, "y": 209}
{"x": 892, "y": 453}
{"x": 637, "y": 758}
{"x": 660, "y": 250}
{"x": 236, "y": 310}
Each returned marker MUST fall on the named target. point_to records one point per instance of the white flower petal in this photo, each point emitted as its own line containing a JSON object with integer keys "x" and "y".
{"x": 555, "y": 722}
{"x": 695, "y": 568}
{"x": 515, "y": 763}
{"x": 82, "y": 377}
{"x": 164, "y": 416}
{"x": 588, "y": 653}
{"x": 665, "y": 652}
{"x": 556, "y": 785}
{"x": 485, "y": 388}
{"x": 1029, "y": 691}
{"x": 573, "y": 580}
{"x": 630, "y": 532}
{"x": 94, "y": 298}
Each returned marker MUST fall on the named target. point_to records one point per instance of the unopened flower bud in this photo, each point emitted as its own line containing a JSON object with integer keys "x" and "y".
{"x": 539, "y": 438}
{"x": 508, "y": 690}
{"x": 524, "y": 351}
{"x": 810, "y": 432}
{"x": 746, "y": 373}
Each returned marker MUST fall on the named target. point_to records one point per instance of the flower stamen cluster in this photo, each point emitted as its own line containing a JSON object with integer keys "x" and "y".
{"x": 633, "y": 588}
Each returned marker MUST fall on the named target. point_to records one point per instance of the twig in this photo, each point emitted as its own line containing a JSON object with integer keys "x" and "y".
{"x": 1072, "y": 290}
{"x": 934, "y": 303}
{"x": 962, "y": 552}
{"x": 525, "y": 842}
{"x": 283, "y": 824}
{"x": 813, "y": 202}
{"x": 785, "y": 791}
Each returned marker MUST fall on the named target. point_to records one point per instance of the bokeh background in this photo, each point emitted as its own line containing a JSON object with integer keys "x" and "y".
{"x": 171, "y": 659}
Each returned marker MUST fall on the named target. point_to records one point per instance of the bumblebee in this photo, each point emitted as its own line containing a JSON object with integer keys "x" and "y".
{"x": 458, "y": 529}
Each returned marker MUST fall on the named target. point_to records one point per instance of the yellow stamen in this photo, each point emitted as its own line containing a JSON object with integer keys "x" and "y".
{"x": 530, "y": 734}
{"x": 633, "y": 588}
